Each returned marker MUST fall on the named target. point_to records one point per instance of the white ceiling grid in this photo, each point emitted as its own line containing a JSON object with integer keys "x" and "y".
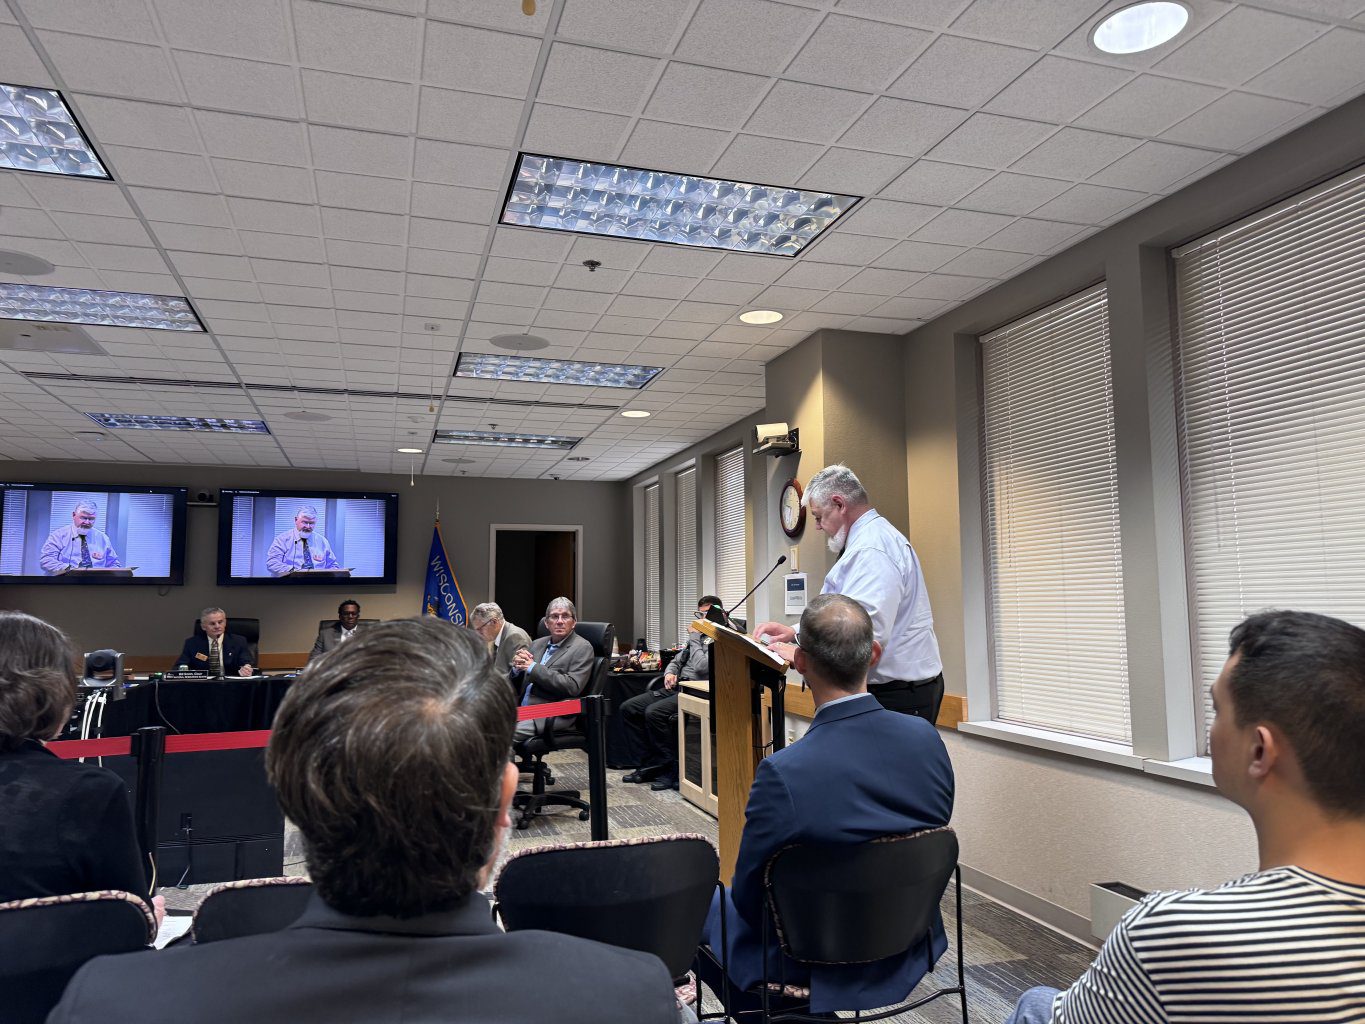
{"x": 323, "y": 180}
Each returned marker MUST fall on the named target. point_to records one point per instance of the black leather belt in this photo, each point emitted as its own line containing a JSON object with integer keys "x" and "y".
{"x": 903, "y": 684}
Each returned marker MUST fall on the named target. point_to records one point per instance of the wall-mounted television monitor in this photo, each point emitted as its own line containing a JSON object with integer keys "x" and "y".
{"x": 92, "y": 534}
{"x": 306, "y": 537}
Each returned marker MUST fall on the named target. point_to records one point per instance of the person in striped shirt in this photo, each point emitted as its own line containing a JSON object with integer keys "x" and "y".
{"x": 1286, "y": 943}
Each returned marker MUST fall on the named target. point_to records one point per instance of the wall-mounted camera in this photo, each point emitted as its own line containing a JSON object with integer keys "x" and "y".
{"x": 202, "y": 499}
{"x": 776, "y": 439}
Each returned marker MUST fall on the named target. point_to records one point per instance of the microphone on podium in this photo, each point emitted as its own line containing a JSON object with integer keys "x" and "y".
{"x": 781, "y": 561}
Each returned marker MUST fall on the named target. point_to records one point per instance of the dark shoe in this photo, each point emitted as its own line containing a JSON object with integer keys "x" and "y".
{"x": 664, "y": 782}
{"x": 643, "y": 774}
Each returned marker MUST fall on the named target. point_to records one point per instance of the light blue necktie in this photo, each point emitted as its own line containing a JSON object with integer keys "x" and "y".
{"x": 544, "y": 659}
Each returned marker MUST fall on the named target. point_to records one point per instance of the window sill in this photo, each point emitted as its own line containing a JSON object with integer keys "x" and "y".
{"x": 1198, "y": 770}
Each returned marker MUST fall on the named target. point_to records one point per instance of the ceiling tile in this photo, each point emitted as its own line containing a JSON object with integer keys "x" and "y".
{"x": 260, "y": 139}
{"x": 657, "y": 145}
{"x": 873, "y": 281}
{"x": 468, "y": 117}
{"x": 681, "y": 260}
{"x": 765, "y": 161}
{"x": 824, "y": 276}
{"x": 906, "y": 308}
{"x": 348, "y": 39}
{"x": 924, "y": 13}
{"x": 690, "y": 94}
{"x": 129, "y": 70}
{"x": 451, "y": 202}
{"x": 1154, "y": 166}
{"x": 1234, "y": 121}
{"x": 1033, "y": 236}
{"x": 359, "y": 102}
{"x": 936, "y": 184}
{"x": 1147, "y": 105}
{"x": 362, "y": 192}
{"x": 261, "y": 215}
{"x": 147, "y": 125}
{"x": 566, "y": 131}
{"x": 1032, "y": 23}
{"x": 23, "y": 66}
{"x": 945, "y": 286}
{"x": 160, "y": 170}
{"x": 356, "y": 152}
{"x": 452, "y": 163}
{"x": 245, "y": 86}
{"x": 814, "y": 113}
{"x": 475, "y": 60}
{"x": 264, "y": 181}
{"x": 584, "y": 76}
{"x": 961, "y": 227}
{"x": 852, "y": 172}
{"x": 658, "y": 285}
{"x": 902, "y": 126}
{"x": 1013, "y": 193}
{"x": 844, "y": 247}
{"x": 113, "y": 19}
{"x": 1089, "y": 204}
{"x": 1056, "y": 89}
{"x": 887, "y": 218}
{"x": 1075, "y": 153}
{"x": 855, "y": 54}
{"x": 985, "y": 263}
{"x": 756, "y": 35}
{"x": 1320, "y": 71}
{"x": 636, "y": 26}
{"x": 736, "y": 293}
{"x": 83, "y": 227}
{"x": 961, "y": 72}
{"x": 58, "y": 192}
{"x": 921, "y": 256}
{"x": 989, "y": 140}
{"x": 1238, "y": 45}
{"x": 255, "y": 29}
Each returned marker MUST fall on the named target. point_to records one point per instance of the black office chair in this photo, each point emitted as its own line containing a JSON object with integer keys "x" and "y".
{"x": 646, "y": 894}
{"x": 250, "y": 906}
{"x": 834, "y": 904}
{"x": 556, "y": 736}
{"x": 329, "y": 623}
{"x": 48, "y": 939}
{"x": 248, "y": 629}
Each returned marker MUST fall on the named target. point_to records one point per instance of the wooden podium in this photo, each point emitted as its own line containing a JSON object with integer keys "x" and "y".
{"x": 742, "y": 668}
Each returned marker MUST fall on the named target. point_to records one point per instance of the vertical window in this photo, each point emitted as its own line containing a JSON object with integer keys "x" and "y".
{"x": 653, "y": 577}
{"x": 731, "y": 572}
{"x": 685, "y": 572}
{"x": 1055, "y": 575}
{"x": 1271, "y": 319}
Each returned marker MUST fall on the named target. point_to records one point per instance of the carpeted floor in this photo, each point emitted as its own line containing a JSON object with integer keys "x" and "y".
{"x": 1005, "y": 952}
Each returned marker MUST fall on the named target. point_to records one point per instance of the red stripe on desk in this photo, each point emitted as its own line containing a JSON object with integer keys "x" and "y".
{"x": 530, "y": 712}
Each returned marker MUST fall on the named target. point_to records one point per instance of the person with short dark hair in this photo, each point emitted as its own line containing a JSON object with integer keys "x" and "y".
{"x": 65, "y": 826}
{"x": 650, "y": 719}
{"x": 215, "y": 650}
{"x": 346, "y": 626}
{"x": 391, "y": 756}
{"x": 859, "y": 773}
{"x": 1282, "y": 944}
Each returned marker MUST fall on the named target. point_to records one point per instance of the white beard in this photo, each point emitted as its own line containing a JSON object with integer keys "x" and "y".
{"x": 83, "y": 531}
{"x": 836, "y": 543}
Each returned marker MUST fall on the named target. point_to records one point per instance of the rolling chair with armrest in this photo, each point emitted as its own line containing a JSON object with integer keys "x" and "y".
{"x": 532, "y": 752}
{"x": 248, "y": 629}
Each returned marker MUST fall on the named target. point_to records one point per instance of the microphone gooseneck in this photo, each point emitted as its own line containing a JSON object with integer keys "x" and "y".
{"x": 781, "y": 560}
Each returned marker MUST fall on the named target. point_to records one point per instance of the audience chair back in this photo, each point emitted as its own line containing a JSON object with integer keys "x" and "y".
{"x": 46, "y": 940}
{"x": 836, "y": 904}
{"x": 650, "y": 895}
{"x": 251, "y": 906}
{"x": 248, "y": 629}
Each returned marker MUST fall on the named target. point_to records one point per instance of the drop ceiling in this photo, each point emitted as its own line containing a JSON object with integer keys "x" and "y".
{"x": 324, "y": 180}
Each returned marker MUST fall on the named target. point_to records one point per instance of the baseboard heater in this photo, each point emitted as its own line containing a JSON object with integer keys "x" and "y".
{"x": 1109, "y": 901}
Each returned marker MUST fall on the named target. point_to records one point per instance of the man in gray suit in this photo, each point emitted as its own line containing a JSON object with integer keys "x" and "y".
{"x": 346, "y": 626}
{"x": 504, "y": 638}
{"x": 554, "y": 668}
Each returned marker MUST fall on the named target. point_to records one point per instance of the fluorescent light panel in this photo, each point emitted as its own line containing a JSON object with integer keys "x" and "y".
{"x": 46, "y": 304}
{"x": 554, "y": 371}
{"x": 211, "y": 424}
{"x": 500, "y": 440}
{"x": 560, "y": 194}
{"x": 38, "y": 132}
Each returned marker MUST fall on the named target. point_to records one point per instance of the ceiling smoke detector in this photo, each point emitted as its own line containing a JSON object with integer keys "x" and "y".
{"x": 519, "y": 342}
{"x": 303, "y": 416}
{"x": 21, "y": 264}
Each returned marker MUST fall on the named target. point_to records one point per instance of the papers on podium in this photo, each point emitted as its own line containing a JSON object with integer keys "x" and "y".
{"x": 338, "y": 574}
{"x": 121, "y": 571}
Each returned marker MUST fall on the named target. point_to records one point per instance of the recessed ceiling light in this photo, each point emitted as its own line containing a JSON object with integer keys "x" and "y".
{"x": 653, "y": 206}
{"x": 505, "y": 440}
{"x": 1140, "y": 27}
{"x": 459, "y": 462}
{"x": 212, "y": 424}
{"x": 553, "y": 371}
{"x": 307, "y": 417}
{"x": 39, "y": 133}
{"x": 519, "y": 342}
{"x": 410, "y": 451}
{"x": 635, "y": 414}
{"x": 761, "y": 316}
{"x": 46, "y": 304}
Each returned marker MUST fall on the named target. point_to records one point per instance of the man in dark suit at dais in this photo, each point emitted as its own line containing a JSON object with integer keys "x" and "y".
{"x": 391, "y": 756}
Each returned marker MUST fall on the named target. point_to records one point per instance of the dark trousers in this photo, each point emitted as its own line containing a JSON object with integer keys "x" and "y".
{"x": 651, "y": 726}
{"x": 921, "y": 698}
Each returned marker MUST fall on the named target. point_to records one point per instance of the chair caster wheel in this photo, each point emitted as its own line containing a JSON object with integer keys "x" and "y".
{"x": 582, "y": 815}
{"x": 523, "y": 823}
{"x": 549, "y": 779}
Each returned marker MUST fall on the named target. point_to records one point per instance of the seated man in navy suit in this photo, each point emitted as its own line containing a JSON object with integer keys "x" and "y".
{"x": 215, "y": 650}
{"x": 860, "y": 772}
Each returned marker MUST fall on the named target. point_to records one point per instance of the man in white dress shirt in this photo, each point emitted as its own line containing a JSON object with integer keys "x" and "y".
{"x": 878, "y": 568}
{"x": 300, "y": 548}
{"x": 78, "y": 546}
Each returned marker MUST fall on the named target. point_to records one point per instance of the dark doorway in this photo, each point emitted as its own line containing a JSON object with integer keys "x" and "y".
{"x": 532, "y": 568}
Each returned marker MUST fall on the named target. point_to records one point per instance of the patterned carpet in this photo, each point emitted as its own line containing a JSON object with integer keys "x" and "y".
{"x": 1006, "y": 952}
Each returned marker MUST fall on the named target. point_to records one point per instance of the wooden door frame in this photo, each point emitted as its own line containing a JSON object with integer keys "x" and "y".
{"x": 493, "y": 529}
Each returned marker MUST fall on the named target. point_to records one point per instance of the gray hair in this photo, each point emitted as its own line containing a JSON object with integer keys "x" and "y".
{"x": 561, "y": 602}
{"x": 306, "y": 510}
{"x": 837, "y": 479}
{"x": 836, "y": 634}
{"x": 209, "y": 611}
{"x": 88, "y": 505}
{"x": 485, "y": 613}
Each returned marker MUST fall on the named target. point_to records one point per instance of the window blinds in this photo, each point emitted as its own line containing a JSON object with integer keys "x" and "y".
{"x": 731, "y": 573}
{"x": 653, "y": 582}
{"x": 1052, "y": 520}
{"x": 1271, "y": 319}
{"x": 685, "y": 574}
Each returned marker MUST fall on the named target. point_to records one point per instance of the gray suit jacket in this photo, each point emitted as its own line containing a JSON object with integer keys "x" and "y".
{"x": 330, "y": 636}
{"x": 510, "y": 640}
{"x": 565, "y": 676}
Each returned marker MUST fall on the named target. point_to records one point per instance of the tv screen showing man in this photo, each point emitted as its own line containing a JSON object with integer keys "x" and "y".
{"x": 78, "y": 546}
{"x": 301, "y": 547}
{"x": 299, "y": 537}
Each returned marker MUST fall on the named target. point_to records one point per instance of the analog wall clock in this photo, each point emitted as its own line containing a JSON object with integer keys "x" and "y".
{"x": 790, "y": 511}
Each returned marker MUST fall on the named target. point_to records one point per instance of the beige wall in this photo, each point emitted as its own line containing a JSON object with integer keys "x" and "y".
{"x": 151, "y": 620}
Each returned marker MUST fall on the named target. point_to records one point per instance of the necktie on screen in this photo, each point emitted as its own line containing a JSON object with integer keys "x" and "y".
{"x": 549, "y": 652}
{"x": 85, "y": 554}
{"x": 307, "y": 557}
{"x": 215, "y": 658}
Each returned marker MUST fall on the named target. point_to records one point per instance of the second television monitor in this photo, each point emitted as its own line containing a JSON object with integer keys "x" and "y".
{"x": 306, "y": 536}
